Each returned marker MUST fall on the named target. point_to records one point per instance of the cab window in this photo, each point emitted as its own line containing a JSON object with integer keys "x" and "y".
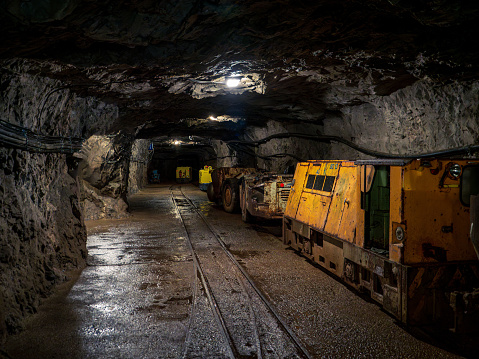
{"x": 469, "y": 184}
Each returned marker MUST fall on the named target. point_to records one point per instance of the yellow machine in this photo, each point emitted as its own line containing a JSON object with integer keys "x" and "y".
{"x": 397, "y": 229}
{"x": 183, "y": 174}
{"x": 205, "y": 177}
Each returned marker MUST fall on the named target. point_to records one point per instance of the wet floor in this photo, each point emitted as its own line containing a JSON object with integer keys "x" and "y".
{"x": 134, "y": 298}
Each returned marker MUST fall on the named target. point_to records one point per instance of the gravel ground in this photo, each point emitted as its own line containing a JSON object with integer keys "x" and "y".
{"x": 135, "y": 298}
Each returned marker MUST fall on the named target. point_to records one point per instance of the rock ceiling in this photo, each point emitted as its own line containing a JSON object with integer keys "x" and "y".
{"x": 165, "y": 63}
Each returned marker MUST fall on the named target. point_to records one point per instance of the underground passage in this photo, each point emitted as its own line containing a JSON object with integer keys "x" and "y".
{"x": 239, "y": 179}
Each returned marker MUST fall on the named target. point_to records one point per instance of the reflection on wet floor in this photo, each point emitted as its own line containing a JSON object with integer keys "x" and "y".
{"x": 134, "y": 298}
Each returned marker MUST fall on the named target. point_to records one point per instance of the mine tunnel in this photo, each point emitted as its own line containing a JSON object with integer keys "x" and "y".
{"x": 239, "y": 179}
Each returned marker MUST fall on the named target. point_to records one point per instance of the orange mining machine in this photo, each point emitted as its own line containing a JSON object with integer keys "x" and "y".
{"x": 403, "y": 231}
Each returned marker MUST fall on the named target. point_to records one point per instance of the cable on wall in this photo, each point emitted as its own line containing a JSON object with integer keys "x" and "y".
{"x": 24, "y": 139}
{"x": 465, "y": 150}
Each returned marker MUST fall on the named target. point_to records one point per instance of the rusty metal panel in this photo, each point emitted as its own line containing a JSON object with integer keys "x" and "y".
{"x": 282, "y": 198}
{"x": 430, "y": 292}
{"x": 438, "y": 224}
{"x": 315, "y": 201}
{"x": 344, "y": 211}
{"x": 266, "y": 194}
{"x": 396, "y": 215}
{"x": 301, "y": 228}
{"x": 219, "y": 175}
{"x": 296, "y": 190}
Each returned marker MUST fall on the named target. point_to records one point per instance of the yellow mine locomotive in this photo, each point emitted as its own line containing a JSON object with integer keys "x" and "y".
{"x": 183, "y": 174}
{"x": 401, "y": 230}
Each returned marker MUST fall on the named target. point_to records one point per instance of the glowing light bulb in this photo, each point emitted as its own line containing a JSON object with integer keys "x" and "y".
{"x": 176, "y": 142}
{"x": 233, "y": 81}
{"x": 212, "y": 118}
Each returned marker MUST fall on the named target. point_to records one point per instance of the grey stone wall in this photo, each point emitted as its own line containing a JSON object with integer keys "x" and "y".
{"x": 138, "y": 173}
{"x": 277, "y": 151}
{"x": 42, "y": 232}
{"x": 421, "y": 118}
{"x": 225, "y": 156}
{"x": 104, "y": 172}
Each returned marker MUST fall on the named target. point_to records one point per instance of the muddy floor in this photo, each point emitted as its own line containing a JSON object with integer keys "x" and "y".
{"x": 134, "y": 299}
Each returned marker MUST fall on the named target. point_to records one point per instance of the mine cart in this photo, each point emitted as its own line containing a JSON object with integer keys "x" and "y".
{"x": 264, "y": 195}
{"x": 401, "y": 230}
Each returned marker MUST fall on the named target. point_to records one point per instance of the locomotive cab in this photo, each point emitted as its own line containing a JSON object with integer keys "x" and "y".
{"x": 399, "y": 230}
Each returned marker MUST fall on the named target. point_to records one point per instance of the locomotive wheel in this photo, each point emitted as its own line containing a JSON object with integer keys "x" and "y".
{"x": 245, "y": 215}
{"x": 230, "y": 195}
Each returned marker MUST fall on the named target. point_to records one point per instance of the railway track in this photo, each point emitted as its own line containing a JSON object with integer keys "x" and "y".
{"x": 246, "y": 325}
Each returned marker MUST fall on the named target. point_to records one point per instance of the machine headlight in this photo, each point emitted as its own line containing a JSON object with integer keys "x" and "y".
{"x": 399, "y": 233}
{"x": 455, "y": 171}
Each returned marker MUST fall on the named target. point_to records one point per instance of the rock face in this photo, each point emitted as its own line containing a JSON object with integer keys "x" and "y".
{"x": 42, "y": 232}
{"x": 421, "y": 118}
{"x": 42, "y": 235}
{"x": 279, "y": 154}
{"x": 138, "y": 171}
{"x": 104, "y": 174}
{"x": 46, "y": 105}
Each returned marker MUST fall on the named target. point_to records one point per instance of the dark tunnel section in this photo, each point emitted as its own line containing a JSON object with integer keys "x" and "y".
{"x": 166, "y": 161}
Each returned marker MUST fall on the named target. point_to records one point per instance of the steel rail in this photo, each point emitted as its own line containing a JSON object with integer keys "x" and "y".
{"x": 206, "y": 286}
{"x": 195, "y": 290}
{"x": 241, "y": 281}
{"x": 273, "y": 311}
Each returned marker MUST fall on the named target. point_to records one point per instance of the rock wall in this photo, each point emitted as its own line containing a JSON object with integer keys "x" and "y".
{"x": 279, "y": 154}
{"x": 104, "y": 172}
{"x": 42, "y": 233}
{"x": 49, "y": 106}
{"x": 225, "y": 156}
{"x": 423, "y": 117}
{"x": 139, "y": 160}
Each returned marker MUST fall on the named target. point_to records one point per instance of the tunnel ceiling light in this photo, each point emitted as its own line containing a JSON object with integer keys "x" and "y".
{"x": 233, "y": 81}
{"x": 213, "y": 118}
{"x": 176, "y": 142}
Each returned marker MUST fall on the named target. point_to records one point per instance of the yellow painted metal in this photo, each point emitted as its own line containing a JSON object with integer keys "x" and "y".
{"x": 183, "y": 172}
{"x": 344, "y": 213}
{"x": 437, "y": 222}
{"x": 315, "y": 203}
{"x": 426, "y": 207}
{"x": 205, "y": 175}
{"x": 396, "y": 213}
{"x": 333, "y": 212}
{"x": 297, "y": 189}
{"x": 427, "y": 251}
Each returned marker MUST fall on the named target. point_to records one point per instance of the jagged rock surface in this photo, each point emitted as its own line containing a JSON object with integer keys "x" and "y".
{"x": 42, "y": 234}
{"x": 418, "y": 119}
{"x": 139, "y": 160}
{"x": 104, "y": 175}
